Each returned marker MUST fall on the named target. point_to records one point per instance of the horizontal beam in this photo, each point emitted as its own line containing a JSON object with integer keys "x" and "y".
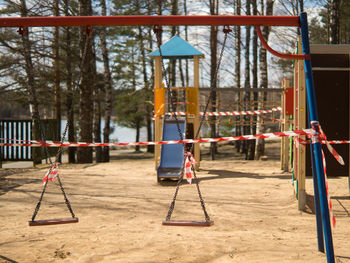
{"x": 202, "y": 20}
{"x": 330, "y": 69}
{"x": 243, "y": 89}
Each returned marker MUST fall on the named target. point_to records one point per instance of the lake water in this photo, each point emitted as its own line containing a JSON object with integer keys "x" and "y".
{"x": 119, "y": 133}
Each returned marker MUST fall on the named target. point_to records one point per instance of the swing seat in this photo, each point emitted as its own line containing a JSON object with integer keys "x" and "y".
{"x": 56, "y": 221}
{"x": 187, "y": 223}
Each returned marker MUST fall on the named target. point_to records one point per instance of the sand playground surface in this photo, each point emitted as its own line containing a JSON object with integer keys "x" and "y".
{"x": 121, "y": 207}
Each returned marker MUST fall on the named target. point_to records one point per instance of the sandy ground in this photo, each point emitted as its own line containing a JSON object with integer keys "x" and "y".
{"x": 121, "y": 207}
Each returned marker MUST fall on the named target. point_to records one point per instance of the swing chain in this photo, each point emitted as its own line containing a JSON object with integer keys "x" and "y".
{"x": 65, "y": 197}
{"x": 88, "y": 31}
{"x": 172, "y": 205}
{"x": 36, "y": 210}
{"x": 158, "y": 31}
{"x": 226, "y": 31}
{"x": 207, "y": 218}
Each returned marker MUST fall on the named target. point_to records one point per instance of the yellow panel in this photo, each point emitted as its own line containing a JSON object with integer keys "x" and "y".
{"x": 192, "y": 100}
{"x": 159, "y": 101}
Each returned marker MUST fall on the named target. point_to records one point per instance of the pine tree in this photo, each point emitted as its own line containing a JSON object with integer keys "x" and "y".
{"x": 108, "y": 84}
{"x": 84, "y": 154}
{"x": 260, "y": 147}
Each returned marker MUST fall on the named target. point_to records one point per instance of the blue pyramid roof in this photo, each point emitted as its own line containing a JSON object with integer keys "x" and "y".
{"x": 176, "y": 47}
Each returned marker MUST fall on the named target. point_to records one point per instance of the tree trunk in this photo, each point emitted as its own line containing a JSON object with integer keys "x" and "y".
{"x": 260, "y": 147}
{"x": 186, "y": 38}
{"x": 86, "y": 104}
{"x": 213, "y": 65}
{"x": 147, "y": 86}
{"x": 137, "y": 139}
{"x": 150, "y": 133}
{"x": 252, "y": 143}
{"x": 237, "y": 30}
{"x": 246, "y": 128}
{"x": 70, "y": 92}
{"x": 108, "y": 86}
{"x": 97, "y": 107}
{"x": 56, "y": 64}
{"x": 173, "y": 33}
{"x": 133, "y": 70}
{"x": 335, "y": 21}
{"x": 30, "y": 84}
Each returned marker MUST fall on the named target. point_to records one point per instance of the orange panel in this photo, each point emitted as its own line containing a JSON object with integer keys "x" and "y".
{"x": 159, "y": 101}
{"x": 192, "y": 100}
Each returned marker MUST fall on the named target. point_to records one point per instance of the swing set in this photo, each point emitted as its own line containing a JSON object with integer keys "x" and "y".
{"x": 206, "y": 20}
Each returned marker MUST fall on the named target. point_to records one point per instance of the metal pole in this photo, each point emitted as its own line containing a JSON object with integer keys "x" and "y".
{"x": 316, "y": 198}
{"x": 316, "y": 145}
{"x": 149, "y": 20}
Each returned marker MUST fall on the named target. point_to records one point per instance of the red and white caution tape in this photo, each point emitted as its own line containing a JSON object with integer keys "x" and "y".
{"x": 299, "y": 141}
{"x": 336, "y": 155}
{"x": 189, "y": 162}
{"x": 51, "y": 173}
{"x": 306, "y": 132}
{"x": 228, "y": 113}
{"x": 322, "y": 138}
{"x": 331, "y": 215}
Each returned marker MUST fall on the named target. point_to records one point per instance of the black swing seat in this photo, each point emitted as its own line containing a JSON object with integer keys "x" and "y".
{"x": 56, "y": 221}
{"x": 187, "y": 223}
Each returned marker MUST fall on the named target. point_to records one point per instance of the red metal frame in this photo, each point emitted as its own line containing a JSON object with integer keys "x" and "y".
{"x": 203, "y": 20}
{"x": 274, "y": 52}
{"x": 221, "y": 20}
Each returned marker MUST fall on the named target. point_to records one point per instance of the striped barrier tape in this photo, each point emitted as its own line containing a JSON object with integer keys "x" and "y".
{"x": 189, "y": 162}
{"x": 331, "y": 214}
{"x": 36, "y": 143}
{"x": 304, "y": 142}
{"x": 322, "y": 138}
{"x": 228, "y": 113}
{"x": 51, "y": 173}
{"x": 336, "y": 155}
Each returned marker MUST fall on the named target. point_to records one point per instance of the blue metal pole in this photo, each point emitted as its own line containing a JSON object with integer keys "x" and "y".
{"x": 316, "y": 199}
{"x": 316, "y": 145}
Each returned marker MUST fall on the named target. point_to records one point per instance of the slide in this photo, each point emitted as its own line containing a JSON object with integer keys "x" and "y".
{"x": 172, "y": 155}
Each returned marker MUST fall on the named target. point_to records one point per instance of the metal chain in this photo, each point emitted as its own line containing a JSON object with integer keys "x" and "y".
{"x": 207, "y": 218}
{"x": 60, "y": 150}
{"x": 65, "y": 197}
{"x": 172, "y": 205}
{"x": 226, "y": 31}
{"x": 158, "y": 31}
{"x": 36, "y": 210}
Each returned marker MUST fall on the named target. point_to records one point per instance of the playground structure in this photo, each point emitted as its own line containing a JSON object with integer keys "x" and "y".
{"x": 330, "y": 69}
{"x": 175, "y": 48}
{"x": 191, "y": 102}
{"x": 233, "y": 102}
{"x": 257, "y": 21}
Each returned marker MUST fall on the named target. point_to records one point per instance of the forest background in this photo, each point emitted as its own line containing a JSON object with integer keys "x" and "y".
{"x": 84, "y": 75}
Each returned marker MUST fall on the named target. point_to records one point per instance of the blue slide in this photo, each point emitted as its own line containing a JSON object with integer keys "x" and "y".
{"x": 172, "y": 155}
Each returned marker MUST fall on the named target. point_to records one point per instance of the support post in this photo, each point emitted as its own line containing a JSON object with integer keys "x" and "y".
{"x": 299, "y": 123}
{"x": 197, "y": 149}
{"x": 285, "y": 126}
{"x": 316, "y": 145}
{"x": 158, "y": 118}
